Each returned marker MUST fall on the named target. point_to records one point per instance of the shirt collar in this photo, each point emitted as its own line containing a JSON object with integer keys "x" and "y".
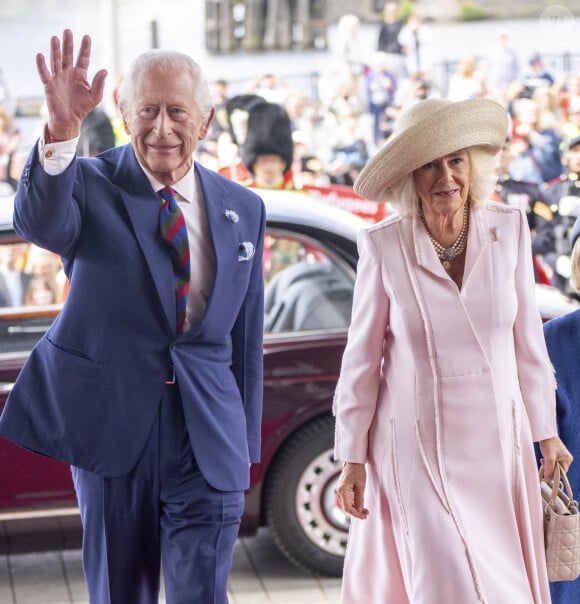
{"x": 185, "y": 188}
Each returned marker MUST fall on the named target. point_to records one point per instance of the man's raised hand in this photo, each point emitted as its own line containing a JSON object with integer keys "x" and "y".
{"x": 69, "y": 96}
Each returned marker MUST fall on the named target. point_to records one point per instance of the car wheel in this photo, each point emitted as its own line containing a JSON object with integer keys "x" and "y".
{"x": 307, "y": 525}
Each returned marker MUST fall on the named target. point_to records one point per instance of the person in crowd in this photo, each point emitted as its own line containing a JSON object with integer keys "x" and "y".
{"x": 567, "y": 91}
{"x": 467, "y": 82}
{"x": 567, "y": 183}
{"x": 536, "y": 75}
{"x": 307, "y": 168}
{"x": 380, "y": 89}
{"x": 417, "y": 87}
{"x": 563, "y": 196}
{"x": 388, "y": 41}
{"x": 345, "y": 91}
{"x": 503, "y": 67}
{"x": 262, "y": 133}
{"x": 536, "y": 147}
{"x": 304, "y": 115}
{"x": 162, "y": 330}
{"x": 41, "y": 292}
{"x": 14, "y": 279}
{"x": 347, "y": 47}
{"x": 562, "y": 338}
{"x": 268, "y": 150}
{"x": 349, "y": 152}
{"x": 220, "y": 97}
{"x": 414, "y": 37}
{"x": 9, "y": 142}
{"x": 445, "y": 381}
{"x": 570, "y": 127}
{"x": 43, "y": 263}
{"x": 271, "y": 87}
{"x": 527, "y": 196}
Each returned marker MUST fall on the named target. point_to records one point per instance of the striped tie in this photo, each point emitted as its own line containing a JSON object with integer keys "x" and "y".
{"x": 174, "y": 232}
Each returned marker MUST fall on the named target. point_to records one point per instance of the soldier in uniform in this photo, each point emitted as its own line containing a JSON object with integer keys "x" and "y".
{"x": 262, "y": 133}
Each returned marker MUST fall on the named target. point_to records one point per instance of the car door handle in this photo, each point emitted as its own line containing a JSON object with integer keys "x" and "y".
{"x": 5, "y": 388}
{"x": 27, "y": 329}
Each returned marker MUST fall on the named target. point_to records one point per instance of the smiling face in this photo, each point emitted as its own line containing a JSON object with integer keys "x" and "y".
{"x": 165, "y": 122}
{"x": 443, "y": 184}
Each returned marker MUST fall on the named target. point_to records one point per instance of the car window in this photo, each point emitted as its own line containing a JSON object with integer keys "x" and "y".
{"x": 307, "y": 286}
{"x": 32, "y": 289}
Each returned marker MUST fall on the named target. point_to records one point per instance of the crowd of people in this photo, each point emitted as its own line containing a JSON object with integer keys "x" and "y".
{"x": 325, "y": 138}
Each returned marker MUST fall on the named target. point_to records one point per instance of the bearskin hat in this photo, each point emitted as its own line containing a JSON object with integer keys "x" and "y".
{"x": 260, "y": 128}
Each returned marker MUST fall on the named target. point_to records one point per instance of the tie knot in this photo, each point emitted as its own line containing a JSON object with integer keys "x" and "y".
{"x": 167, "y": 193}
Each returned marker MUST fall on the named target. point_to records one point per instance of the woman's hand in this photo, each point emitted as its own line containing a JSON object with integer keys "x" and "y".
{"x": 69, "y": 96}
{"x": 553, "y": 450}
{"x": 350, "y": 490}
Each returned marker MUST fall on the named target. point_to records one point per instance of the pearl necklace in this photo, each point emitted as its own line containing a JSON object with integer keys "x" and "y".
{"x": 446, "y": 254}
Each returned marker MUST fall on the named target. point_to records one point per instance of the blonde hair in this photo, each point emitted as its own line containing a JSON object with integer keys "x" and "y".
{"x": 575, "y": 261}
{"x": 404, "y": 198}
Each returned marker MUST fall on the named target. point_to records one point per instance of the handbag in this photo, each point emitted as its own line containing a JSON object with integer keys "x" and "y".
{"x": 561, "y": 527}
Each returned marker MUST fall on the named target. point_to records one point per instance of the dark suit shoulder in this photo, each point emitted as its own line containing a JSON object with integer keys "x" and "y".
{"x": 563, "y": 327}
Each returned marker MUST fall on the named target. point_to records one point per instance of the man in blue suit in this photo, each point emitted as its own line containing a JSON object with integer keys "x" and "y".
{"x": 160, "y": 423}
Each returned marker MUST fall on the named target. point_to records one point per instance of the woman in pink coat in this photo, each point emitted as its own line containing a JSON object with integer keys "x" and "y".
{"x": 445, "y": 382}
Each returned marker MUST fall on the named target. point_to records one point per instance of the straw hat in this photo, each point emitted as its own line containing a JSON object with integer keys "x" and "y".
{"x": 428, "y": 130}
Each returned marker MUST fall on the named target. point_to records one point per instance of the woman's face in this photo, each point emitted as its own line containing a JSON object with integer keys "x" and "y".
{"x": 443, "y": 184}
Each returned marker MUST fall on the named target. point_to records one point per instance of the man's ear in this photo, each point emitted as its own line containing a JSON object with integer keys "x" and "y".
{"x": 126, "y": 125}
{"x": 205, "y": 127}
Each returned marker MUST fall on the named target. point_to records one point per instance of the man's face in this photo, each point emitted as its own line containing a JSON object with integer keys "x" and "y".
{"x": 165, "y": 123}
{"x": 573, "y": 159}
{"x": 269, "y": 170}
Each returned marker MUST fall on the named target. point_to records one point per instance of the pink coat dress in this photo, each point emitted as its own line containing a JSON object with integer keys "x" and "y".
{"x": 442, "y": 393}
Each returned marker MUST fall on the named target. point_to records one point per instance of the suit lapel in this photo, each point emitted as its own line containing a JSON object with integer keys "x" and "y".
{"x": 224, "y": 233}
{"x": 142, "y": 206}
{"x": 477, "y": 241}
{"x": 423, "y": 248}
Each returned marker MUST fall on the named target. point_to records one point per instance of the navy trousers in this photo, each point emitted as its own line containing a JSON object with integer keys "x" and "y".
{"x": 162, "y": 514}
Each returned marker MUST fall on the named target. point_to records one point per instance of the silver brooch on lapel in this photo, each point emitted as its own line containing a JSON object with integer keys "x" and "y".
{"x": 232, "y": 216}
{"x": 495, "y": 231}
{"x": 245, "y": 251}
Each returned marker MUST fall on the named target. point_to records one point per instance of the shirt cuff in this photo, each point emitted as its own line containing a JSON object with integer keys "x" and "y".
{"x": 55, "y": 158}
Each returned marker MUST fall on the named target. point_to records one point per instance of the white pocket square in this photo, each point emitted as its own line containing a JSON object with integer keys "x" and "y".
{"x": 245, "y": 251}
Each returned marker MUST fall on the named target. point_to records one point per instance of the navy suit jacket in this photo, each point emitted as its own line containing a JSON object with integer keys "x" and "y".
{"x": 91, "y": 388}
{"x": 563, "y": 342}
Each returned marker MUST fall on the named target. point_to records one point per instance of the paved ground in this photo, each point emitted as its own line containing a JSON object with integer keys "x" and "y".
{"x": 260, "y": 575}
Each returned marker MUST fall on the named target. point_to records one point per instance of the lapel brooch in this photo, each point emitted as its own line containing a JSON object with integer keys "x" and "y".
{"x": 232, "y": 216}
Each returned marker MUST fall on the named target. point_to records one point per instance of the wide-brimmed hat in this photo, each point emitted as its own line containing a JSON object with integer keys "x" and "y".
{"x": 428, "y": 130}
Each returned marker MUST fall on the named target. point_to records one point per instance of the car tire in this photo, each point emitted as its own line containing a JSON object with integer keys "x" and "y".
{"x": 301, "y": 512}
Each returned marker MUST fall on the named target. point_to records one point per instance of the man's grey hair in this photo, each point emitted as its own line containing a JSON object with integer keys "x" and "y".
{"x": 164, "y": 60}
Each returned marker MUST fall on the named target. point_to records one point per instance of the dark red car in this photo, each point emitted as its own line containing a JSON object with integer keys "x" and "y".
{"x": 309, "y": 269}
